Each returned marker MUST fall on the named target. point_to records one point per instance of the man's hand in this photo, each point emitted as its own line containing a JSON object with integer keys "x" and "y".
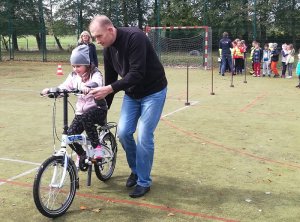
{"x": 101, "y": 92}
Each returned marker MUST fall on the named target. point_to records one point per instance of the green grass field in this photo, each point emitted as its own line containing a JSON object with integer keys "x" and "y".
{"x": 232, "y": 156}
{"x": 28, "y": 43}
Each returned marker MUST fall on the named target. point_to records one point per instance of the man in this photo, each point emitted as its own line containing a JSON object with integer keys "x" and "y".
{"x": 129, "y": 53}
{"x": 225, "y": 46}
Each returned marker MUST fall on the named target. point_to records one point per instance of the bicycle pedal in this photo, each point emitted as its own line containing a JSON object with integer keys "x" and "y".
{"x": 96, "y": 160}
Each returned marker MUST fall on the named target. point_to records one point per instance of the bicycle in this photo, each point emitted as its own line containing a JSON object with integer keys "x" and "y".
{"x": 57, "y": 180}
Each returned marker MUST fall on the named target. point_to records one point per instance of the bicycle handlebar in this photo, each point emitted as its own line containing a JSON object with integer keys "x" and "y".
{"x": 55, "y": 92}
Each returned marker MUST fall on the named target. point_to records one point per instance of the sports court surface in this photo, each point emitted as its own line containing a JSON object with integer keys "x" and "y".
{"x": 232, "y": 156}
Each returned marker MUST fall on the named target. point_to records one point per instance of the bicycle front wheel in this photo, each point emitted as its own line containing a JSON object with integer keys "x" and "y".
{"x": 53, "y": 192}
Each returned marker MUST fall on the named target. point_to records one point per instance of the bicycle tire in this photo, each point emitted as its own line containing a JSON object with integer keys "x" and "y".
{"x": 105, "y": 168}
{"x": 53, "y": 201}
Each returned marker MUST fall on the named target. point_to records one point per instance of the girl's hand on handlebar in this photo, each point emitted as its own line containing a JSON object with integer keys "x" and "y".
{"x": 85, "y": 90}
{"x": 44, "y": 91}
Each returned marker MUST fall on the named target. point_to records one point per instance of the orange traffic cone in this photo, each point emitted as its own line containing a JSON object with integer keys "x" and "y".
{"x": 59, "y": 70}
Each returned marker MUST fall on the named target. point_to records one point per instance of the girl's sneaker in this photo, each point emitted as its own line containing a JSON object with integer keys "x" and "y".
{"x": 98, "y": 154}
{"x": 289, "y": 77}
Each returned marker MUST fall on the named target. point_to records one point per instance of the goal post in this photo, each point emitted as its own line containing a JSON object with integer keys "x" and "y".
{"x": 178, "y": 46}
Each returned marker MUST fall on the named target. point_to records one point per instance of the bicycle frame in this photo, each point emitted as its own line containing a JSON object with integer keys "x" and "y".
{"x": 68, "y": 139}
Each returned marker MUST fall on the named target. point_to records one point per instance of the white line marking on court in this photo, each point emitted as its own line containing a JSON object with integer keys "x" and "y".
{"x": 177, "y": 110}
{"x": 20, "y": 175}
{"x": 20, "y": 161}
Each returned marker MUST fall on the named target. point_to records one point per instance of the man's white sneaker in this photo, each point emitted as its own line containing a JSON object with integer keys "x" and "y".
{"x": 289, "y": 77}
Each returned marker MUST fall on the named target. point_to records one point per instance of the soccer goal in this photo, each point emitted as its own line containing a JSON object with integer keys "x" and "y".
{"x": 182, "y": 45}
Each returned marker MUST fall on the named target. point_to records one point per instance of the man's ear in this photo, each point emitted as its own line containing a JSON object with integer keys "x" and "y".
{"x": 110, "y": 29}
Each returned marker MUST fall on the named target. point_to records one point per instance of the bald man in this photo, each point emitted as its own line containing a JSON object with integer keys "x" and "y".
{"x": 129, "y": 54}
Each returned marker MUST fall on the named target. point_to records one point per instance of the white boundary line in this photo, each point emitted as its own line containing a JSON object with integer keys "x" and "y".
{"x": 20, "y": 161}
{"x": 20, "y": 175}
{"x": 177, "y": 110}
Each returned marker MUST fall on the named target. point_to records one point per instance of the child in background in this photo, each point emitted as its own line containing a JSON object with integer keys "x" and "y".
{"x": 266, "y": 60}
{"x": 274, "y": 60}
{"x": 298, "y": 69}
{"x": 245, "y": 50}
{"x": 257, "y": 57}
{"x": 290, "y": 60}
{"x": 88, "y": 110}
{"x": 238, "y": 56}
{"x": 284, "y": 55}
{"x": 251, "y": 56}
{"x": 234, "y": 44}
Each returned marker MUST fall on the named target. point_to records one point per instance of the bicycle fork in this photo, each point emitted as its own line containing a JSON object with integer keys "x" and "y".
{"x": 59, "y": 185}
{"x": 66, "y": 160}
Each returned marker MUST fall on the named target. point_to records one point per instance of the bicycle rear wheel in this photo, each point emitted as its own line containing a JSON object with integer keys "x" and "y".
{"x": 106, "y": 166}
{"x": 51, "y": 195}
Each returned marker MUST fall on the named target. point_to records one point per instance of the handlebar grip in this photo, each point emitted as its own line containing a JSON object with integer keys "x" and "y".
{"x": 92, "y": 85}
{"x": 54, "y": 90}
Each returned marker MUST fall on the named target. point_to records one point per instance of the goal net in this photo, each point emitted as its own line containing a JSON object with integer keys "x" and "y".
{"x": 183, "y": 45}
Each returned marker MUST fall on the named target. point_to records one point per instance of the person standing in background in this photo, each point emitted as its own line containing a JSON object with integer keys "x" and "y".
{"x": 266, "y": 60}
{"x": 298, "y": 69}
{"x": 284, "y": 54}
{"x": 251, "y": 56}
{"x": 257, "y": 57}
{"x": 238, "y": 56}
{"x": 290, "y": 60}
{"x": 225, "y": 46}
{"x": 274, "y": 59}
{"x": 86, "y": 39}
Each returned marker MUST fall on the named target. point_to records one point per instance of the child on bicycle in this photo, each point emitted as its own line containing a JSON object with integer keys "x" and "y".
{"x": 88, "y": 110}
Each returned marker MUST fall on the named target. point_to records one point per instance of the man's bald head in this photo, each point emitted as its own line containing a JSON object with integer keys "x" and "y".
{"x": 101, "y": 21}
{"x": 103, "y": 30}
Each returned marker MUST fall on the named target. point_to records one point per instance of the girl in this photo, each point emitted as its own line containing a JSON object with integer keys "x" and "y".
{"x": 290, "y": 60}
{"x": 88, "y": 111}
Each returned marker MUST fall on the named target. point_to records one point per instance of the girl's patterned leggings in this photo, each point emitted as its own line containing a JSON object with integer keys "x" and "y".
{"x": 86, "y": 122}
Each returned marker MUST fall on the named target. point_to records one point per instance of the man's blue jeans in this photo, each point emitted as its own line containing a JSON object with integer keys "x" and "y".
{"x": 143, "y": 114}
{"x": 226, "y": 58}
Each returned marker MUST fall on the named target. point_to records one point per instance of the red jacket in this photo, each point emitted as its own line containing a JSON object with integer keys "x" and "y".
{"x": 238, "y": 52}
